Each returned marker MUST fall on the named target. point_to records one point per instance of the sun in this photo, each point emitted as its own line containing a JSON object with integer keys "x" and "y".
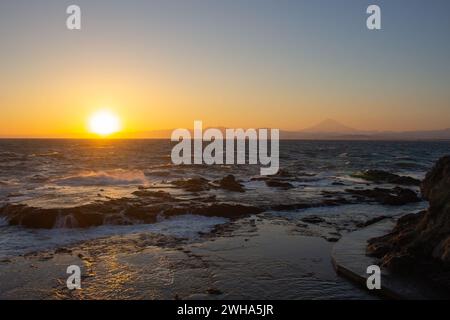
{"x": 104, "y": 123}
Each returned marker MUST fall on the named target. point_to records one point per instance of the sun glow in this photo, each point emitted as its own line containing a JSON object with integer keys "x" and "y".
{"x": 104, "y": 123}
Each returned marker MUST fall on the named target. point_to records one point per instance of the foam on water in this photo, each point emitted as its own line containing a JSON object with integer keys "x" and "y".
{"x": 104, "y": 178}
{"x": 16, "y": 241}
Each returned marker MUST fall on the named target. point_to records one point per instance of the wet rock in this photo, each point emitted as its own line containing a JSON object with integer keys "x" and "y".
{"x": 395, "y": 197}
{"x": 214, "y": 291}
{"x": 380, "y": 176}
{"x": 89, "y": 215}
{"x": 370, "y": 221}
{"x": 290, "y": 206}
{"x": 336, "y": 201}
{"x": 283, "y": 173}
{"x": 313, "y": 219}
{"x": 88, "y": 219}
{"x": 279, "y": 184}
{"x": 231, "y": 184}
{"x": 193, "y": 184}
{"x": 227, "y": 210}
{"x": 155, "y": 194}
{"x": 18, "y": 214}
{"x": 421, "y": 242}
{"x": 63, "y": 250}
{"x": 302, "y": 225}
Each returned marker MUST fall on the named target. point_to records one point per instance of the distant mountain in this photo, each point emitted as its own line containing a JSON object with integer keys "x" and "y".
{"x": 326, "y": 130}
{"x": 332, "y": 130}
{"x": 329, "y": 126}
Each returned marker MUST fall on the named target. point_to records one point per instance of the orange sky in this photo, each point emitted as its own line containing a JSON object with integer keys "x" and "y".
{"x": 255, "y": 69}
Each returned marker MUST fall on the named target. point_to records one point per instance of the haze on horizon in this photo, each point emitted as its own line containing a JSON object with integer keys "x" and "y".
{"x": 162, "y": 64}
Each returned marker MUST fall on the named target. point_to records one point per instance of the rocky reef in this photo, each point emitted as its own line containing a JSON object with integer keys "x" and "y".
{"x": 394, "y": 197}
{"x": 123, "y": 211}
{"x": 421, "y": 242}
{"x": 380, "y": 176}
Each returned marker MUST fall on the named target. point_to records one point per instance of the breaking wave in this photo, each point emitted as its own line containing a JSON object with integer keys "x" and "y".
{"x": 104, "y": 178}
{"x": 21, "y": 241}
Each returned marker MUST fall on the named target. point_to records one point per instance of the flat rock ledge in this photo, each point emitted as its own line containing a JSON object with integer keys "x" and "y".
{"x": 350, "y": 261}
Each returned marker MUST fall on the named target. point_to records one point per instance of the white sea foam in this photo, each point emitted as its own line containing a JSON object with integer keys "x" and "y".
{"x": 15, "y": 240}
{"x": 104, "y": 178}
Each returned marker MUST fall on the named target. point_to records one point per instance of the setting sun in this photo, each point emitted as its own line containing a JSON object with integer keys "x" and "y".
{"x": 104, "y": 123}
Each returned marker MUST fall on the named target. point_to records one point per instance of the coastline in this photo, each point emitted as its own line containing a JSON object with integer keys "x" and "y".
{"x": 238, "y": 260}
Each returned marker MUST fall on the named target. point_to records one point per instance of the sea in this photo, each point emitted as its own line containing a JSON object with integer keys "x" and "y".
{"x": 72, "y": 173}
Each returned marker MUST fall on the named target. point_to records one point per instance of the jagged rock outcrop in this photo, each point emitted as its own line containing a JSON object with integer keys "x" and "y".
{"x": 422, "y": 241}
{"x": 380, "y": 176}
{"x": 394, "y": 197}
{"x": 231, "y": 184}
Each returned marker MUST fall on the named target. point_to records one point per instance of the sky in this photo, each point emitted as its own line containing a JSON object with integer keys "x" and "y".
{"x": 162, "y": 64}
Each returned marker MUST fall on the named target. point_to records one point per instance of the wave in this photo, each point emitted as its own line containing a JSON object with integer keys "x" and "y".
{"x": 52, "y": 154}
{"x": 20, "y": 241}
{"x": 10, "y": 156}
{"x": 104, "y": 178}
{"x": 147, "y": 208}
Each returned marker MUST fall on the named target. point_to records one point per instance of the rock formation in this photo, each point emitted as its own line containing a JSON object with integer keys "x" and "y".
{"x": 421, "y": 242}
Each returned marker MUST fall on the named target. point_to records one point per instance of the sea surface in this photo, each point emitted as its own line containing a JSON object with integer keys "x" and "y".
{"x": 65, "y": 174}
{"x": 70, "y": 173}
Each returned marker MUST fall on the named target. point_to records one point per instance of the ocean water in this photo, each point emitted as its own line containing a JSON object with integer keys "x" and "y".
{"x": 59, "y": 174}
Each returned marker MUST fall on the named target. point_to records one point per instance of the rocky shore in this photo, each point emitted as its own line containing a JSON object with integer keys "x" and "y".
{"x": 420, "y": 243}
{"x": 198, "y": 195}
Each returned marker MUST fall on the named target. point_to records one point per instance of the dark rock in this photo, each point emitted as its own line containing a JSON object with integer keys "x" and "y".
{"x": 193, "y": 184}
{"x": 145, "y": 214}
{"x": 88, "y": 219}
{"x": 395, "y": 197}
{"x": 63, "y": 250}
{"x": 283, "y": 173}
{"x": 150, "y": 193}
{"x": 227, "y": 210}
{"x": 279, "y": 184}
{"x": 19, "y": 214}
{"x": 335, "y": 202}
{"x": 313, "y": 219}
{"x": 370, "y": 221}
{"x": 302, "y": 225}
{"x": 421, "y": 242}
{"x": 214, "y": 291}
{"x": 290, "y": 206}
{"x": 231, "y": 184}
{"x": 380, "y": 176}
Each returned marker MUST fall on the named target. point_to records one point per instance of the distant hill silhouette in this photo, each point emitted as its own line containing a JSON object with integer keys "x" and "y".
{"x": 326, "y": 130}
